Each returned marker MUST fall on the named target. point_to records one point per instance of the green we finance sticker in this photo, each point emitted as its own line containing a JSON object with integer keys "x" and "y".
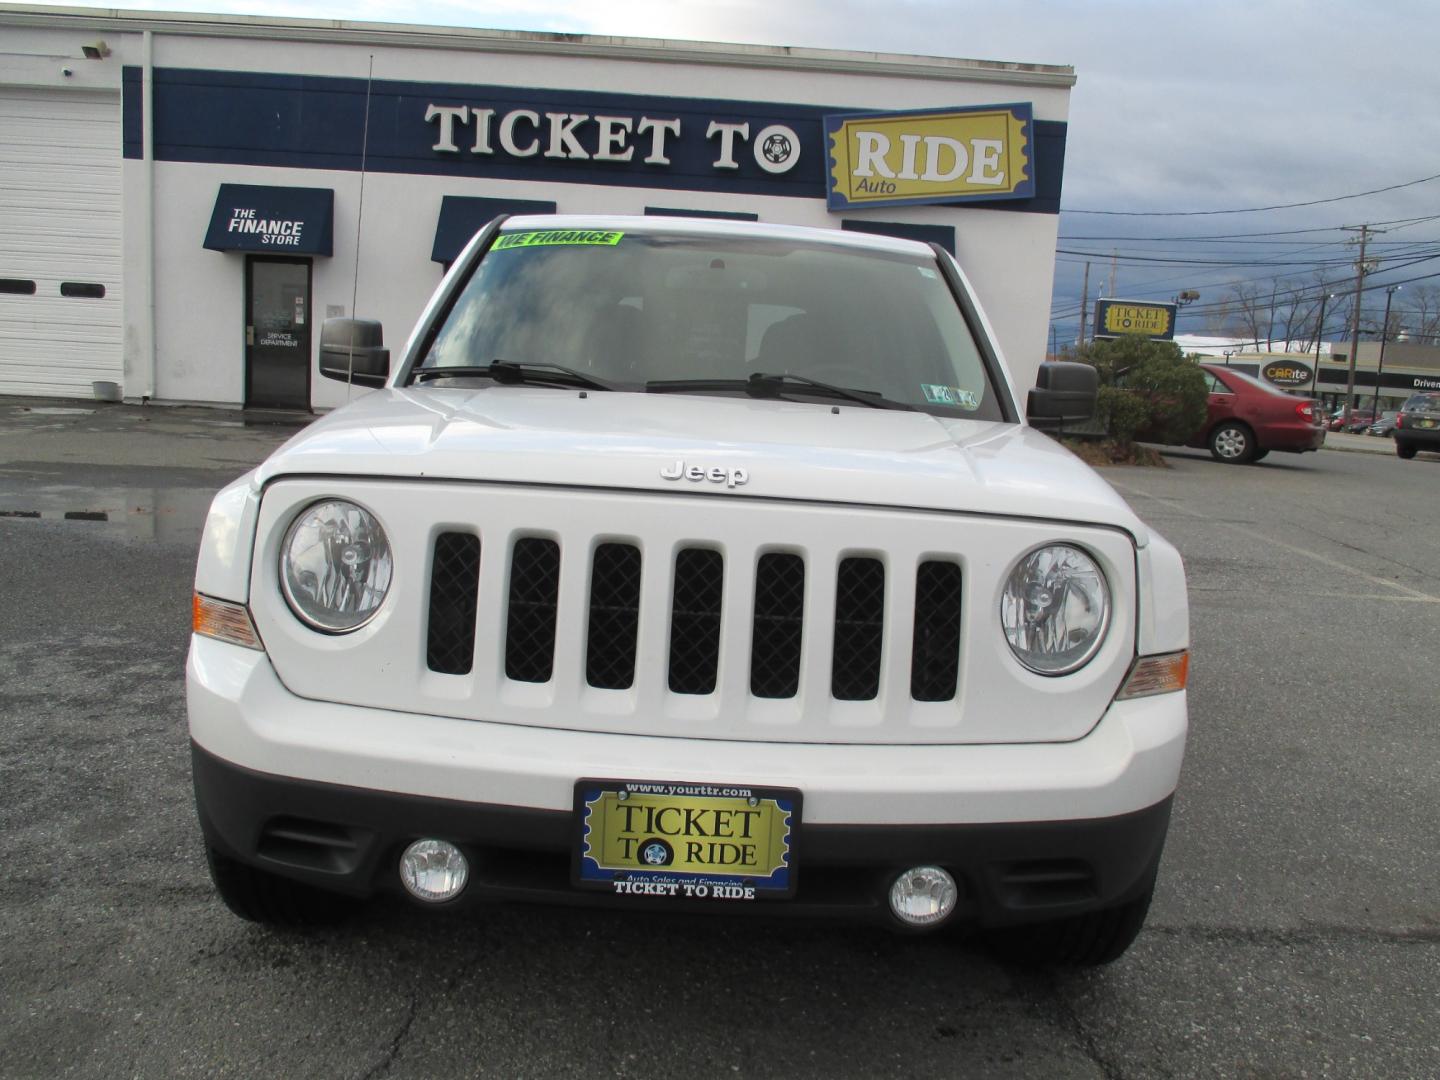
{"x": 557, "y": 237}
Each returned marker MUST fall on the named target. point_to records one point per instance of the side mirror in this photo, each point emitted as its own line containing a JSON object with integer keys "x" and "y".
{"x": 351, "y": 351}
{"x": 1064, "y": 393}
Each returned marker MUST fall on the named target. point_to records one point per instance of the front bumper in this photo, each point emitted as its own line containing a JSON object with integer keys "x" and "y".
{"x": 349, "y": 841}
{"x": 331, "y": 795}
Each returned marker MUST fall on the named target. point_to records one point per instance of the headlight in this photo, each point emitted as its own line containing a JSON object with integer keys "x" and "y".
{"x": 1055, "y": 609}
{"x": 335, "y": 566}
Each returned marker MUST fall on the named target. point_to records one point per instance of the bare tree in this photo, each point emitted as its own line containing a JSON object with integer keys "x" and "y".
{"x": 1249, "y": 312}
{"x": 1295, "y": 309}
{"x": 1422, "y": 314}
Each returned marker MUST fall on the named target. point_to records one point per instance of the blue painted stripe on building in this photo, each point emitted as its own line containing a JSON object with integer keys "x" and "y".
{"x": 462, "y": 217}
{"x": 132, "y": 112}
{"x": 318, "y": 122}
{"x": 681, "y": 212}
{"x": 944, "y": 235}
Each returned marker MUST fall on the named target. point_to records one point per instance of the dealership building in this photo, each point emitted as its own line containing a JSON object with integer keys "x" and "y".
{"x": 187, "y": 197}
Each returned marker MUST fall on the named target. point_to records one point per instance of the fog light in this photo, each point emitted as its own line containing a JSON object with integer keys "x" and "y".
{"x": 923, "y": 896}
{"x": 434, "y": 870}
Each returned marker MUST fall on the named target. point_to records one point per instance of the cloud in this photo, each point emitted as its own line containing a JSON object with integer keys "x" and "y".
{"x": 1204, "y": 106}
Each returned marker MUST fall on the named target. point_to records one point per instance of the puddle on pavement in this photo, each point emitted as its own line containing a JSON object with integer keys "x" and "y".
{"x": 159, "y": 515}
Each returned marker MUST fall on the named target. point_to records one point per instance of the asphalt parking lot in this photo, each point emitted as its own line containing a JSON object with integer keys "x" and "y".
{"x": 1296, "y": 931}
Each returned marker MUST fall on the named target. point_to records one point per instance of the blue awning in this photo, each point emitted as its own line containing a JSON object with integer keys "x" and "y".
{"x": 944, "y": 235}
{"x": 276, "y": 220}
{"x": 724, "y": 215}
{"x": 461, "y": 217}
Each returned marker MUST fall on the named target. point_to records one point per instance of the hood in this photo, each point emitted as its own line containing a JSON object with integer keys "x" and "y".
{"x": 753, "y": 448}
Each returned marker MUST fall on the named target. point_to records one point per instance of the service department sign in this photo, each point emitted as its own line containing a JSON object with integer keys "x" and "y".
{"x": 1119, "y": 318}
{"x": 930, "y": 156}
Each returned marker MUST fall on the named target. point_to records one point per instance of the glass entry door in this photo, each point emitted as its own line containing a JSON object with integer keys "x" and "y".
{"x": 277, "y": 333}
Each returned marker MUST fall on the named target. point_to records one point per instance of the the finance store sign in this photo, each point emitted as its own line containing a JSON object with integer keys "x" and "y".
{"x": 1119, "y": 318}
{"x": 931, "y": 156}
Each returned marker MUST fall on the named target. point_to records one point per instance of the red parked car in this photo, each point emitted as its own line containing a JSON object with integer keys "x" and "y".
{"x": 1247, "y": 418}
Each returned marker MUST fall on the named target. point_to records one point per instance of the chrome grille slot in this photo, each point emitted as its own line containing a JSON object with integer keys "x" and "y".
{"x": 859, "y": 629}
{"x": 454, "y": 601}
{"x": 935, "y": 659}
{"x": 534, "y": 598}
{"x": 614, "y": 617}
{"x": 695, "y": 621}
{"x": 778, "y": 627}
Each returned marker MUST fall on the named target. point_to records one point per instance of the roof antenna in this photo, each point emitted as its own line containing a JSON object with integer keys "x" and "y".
{"x": 359, "y": 217}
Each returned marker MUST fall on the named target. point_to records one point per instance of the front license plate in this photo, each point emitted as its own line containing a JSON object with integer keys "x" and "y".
{"x": 686, "y": 841}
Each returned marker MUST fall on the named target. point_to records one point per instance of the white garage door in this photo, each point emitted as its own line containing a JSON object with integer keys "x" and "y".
{"x": 60, "y": 248}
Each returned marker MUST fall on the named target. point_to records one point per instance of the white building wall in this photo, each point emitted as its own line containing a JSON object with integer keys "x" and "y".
{"x": 199, "y": 295}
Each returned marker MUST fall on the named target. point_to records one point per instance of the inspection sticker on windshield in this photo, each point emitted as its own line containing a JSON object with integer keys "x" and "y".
{"x": 554, "y": 237}
{"x": 950, "y": 395}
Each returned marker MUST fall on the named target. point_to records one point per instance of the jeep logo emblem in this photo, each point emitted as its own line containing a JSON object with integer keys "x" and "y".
{"x": 699, "y": 473}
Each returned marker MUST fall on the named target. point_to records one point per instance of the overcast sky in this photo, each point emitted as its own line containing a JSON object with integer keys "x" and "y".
{"x": 1179, "y": 107}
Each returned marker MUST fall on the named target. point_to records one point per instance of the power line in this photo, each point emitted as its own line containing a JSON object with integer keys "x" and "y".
{"x": 1398, "y": 223}
{"x": 1251, "y": 209}
{"x": 1295, "y": 292}
{"x": 1174, "y": 261}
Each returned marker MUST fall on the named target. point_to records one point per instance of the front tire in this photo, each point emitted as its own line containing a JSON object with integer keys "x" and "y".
{"x": 1089, "y": 940}
{"x": 266, "y": 898}
{"x": 1233, "y": 444}
{"x": 1404, "y": 450}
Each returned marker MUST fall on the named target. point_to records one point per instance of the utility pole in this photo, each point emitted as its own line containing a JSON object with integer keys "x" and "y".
{"x": 1384, "y": 337}
{"x": 1364, "y": 231}
{"x": 1114, "y": 257}
{"x": 1084, "y": 304}
{"x": 1319, "y": 329}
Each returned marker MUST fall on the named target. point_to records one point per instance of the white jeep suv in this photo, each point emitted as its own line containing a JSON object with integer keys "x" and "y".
{"x": 692, "y": 565}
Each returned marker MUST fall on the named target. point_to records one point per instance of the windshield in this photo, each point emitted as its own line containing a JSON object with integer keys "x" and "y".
{"x": 635, "y": 310}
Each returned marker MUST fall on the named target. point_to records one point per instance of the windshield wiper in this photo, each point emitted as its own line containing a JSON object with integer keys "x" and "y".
{"x": 767, "y": 384}
{"x": 513, "y": 372}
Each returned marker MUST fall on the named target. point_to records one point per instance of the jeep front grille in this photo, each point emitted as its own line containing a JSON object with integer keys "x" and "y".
{"x": 696, "y": 616}
{"x": 696, "y": 613}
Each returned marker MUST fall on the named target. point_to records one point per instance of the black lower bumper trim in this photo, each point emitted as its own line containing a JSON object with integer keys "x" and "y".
{"x": 349, "y": 840}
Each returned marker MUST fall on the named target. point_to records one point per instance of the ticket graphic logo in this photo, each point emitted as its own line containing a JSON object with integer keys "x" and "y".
{"x": 929, "y": 156}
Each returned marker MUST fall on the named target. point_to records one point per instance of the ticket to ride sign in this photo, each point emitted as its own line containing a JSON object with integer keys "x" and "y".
{"x": 930, "y": 156}
{"x": 685, "y": 841}
{"x": 1117, "y": 318}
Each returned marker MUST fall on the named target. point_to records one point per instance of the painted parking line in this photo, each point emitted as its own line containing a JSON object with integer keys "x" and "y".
{"x": 1406, "y": 592}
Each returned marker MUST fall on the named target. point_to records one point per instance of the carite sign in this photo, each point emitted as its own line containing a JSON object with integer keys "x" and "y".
{"x": 930, "y": 156}
{"x": 1287, "y": 373}
{"x": 1117, "y": 318}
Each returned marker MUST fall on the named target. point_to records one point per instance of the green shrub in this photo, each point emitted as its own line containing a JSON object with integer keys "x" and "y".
{"x": 1148, "y": 389}
{"x": 1123, "y": 412}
